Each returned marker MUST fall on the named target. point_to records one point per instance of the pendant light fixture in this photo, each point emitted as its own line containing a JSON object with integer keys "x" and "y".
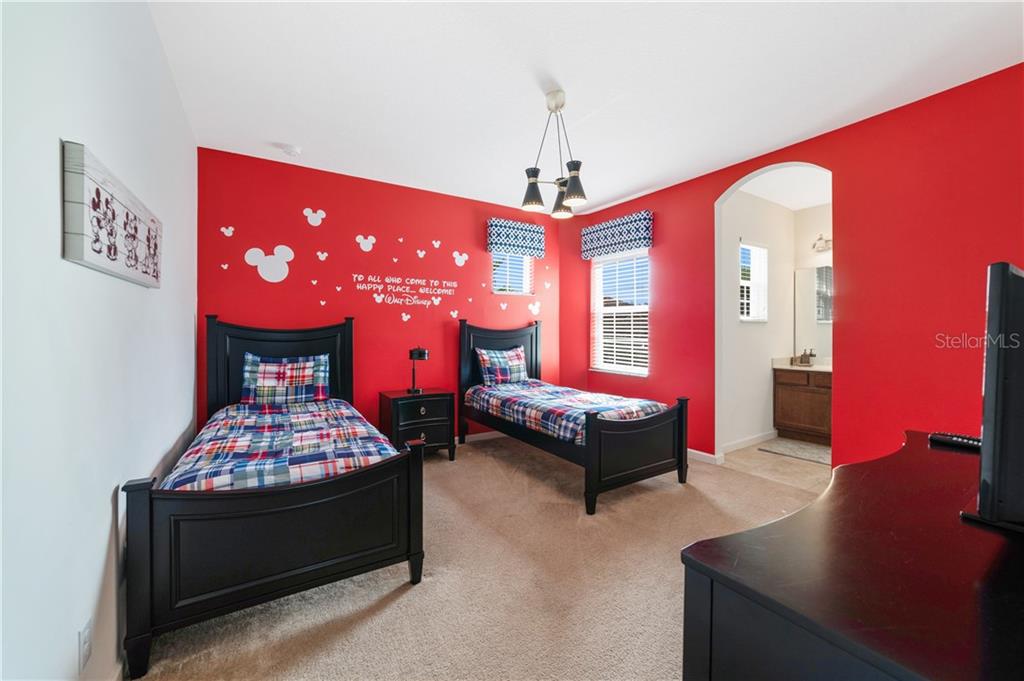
{"x": 570, "y": 189}
{"x": 561, "y": 211}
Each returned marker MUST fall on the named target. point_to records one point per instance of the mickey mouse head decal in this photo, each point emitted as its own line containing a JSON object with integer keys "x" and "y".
{"x": 314, "y": 217}
{"x": 273, "y": 268}
{"x": 460, "y": 258}
{"x": 366, "y": 242}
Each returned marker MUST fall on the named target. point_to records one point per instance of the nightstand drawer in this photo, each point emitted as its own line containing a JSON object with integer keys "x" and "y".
{"x": 423, "y": 409}
{"x": 434, "y": 434}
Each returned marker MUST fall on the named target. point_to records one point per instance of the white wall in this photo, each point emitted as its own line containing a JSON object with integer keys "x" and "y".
{"x": 99, "y": 373}
{"x": 808, "y": 224}
{"x": 747, "y": 348}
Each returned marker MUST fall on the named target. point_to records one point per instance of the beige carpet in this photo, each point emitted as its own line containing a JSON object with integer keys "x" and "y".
{"x": 518, "y": 583}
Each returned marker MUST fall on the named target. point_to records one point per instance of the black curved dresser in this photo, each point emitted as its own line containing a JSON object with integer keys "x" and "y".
{"x": 878, "y": 578}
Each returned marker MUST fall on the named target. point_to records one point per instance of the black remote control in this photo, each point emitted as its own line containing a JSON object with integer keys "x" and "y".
{"x": 955, "y": 440}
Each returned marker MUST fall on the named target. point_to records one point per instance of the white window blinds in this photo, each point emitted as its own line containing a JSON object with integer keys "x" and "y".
{"x": 753, "y": 298}
{"x": 620, "y": 315}
{"x": 824, "y": 290}
{"x": 511, "y": 273}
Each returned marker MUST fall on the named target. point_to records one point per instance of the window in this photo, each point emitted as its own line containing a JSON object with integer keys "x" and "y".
{"x": 823, "y": 293}
{"x": 511, "y": 273}
{"x": 753, "y": 283}
{"x": 620, "y": 320}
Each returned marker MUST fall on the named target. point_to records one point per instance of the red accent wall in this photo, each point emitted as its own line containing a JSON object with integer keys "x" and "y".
{"x": 264, "y": 202}
{"x": 924, "y": 197}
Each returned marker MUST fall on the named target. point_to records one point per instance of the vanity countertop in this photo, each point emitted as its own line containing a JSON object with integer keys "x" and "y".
{"x": 783, "y": 363}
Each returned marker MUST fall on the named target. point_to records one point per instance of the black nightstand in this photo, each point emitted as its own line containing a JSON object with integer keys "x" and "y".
{"x": 427, "y": 416}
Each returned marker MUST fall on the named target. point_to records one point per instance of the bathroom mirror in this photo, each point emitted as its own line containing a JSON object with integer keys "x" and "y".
{"x": 812, "y": 312}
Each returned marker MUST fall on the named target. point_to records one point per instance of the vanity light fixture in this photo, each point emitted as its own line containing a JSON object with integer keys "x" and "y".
{"x": 570, "y": 188}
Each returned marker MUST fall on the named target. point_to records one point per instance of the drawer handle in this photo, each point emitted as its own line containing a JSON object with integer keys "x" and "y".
{"x": 423, "y": 436}
{"x": 423, "y": 410}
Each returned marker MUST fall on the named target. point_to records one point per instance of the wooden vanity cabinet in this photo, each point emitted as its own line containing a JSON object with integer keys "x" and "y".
{"x": 803, "y": 405}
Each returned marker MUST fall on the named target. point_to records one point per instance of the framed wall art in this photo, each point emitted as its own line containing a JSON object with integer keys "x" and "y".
{"x": 105, "y": 227}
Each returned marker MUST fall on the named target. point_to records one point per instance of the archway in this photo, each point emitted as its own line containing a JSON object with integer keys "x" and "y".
{"x": 790, "y": 185}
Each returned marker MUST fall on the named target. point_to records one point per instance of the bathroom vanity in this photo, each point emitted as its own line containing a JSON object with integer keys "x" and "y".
{"x": 802, "y": 402}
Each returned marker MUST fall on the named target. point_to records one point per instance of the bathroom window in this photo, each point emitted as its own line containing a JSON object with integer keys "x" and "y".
{"x": 753, "y": 292}
{"x": 511, "y": 273}
{"x": 620, "y": 321}
{"x": 823, "y": 293}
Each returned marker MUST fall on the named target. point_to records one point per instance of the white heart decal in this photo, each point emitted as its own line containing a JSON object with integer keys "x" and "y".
{"x": 420, "y": 253}
{"x": 394, "y": 259}
{"x": 547, "y": 284}
{"x": 313, "y": 282}
{"x": 378, "y": 297}
{"x": 534, "y": 307}
{"x": 503, "y": 306}
{"x": 323, "y": 302}
{"x": 223, "y": 265}
{"x": 484, "y": 284}
{"x": 227, "y": 231}
{"x": 322, "y": 255}
{"x": 436, "y": 243}
{"x": 460, "y": 258}
{"x": 406, "y": 317}
{"x": 401, "y": 239}
{"x": 436, "y": 300}
{"x": 454, "y": 314}
{"x": 337, "y": 288}
{"x": 469, "y": 299}
{"x": 547, "y": 267}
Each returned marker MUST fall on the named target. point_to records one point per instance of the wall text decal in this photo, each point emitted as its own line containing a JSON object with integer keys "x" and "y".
{"x": 392, "y": 289}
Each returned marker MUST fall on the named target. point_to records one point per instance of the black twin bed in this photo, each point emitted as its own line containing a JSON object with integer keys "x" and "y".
{"x": 192, "y": 555}
{"x": 614, "y": 453}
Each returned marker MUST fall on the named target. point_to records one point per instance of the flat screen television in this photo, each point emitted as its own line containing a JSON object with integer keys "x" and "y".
{"x": 1001, "y": 488}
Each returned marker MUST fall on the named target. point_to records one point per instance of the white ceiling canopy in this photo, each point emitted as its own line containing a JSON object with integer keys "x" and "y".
{"x": 796, "y": 186}
{"x": 450, "y": 97}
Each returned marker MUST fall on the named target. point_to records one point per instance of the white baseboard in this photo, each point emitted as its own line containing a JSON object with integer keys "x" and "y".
{"x": 697, "y": 455}
{"x": 748, "y": 441}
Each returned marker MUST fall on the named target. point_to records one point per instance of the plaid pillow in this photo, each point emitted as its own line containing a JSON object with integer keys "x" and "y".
{"x": 284, "y": 380}
{"x": 503, "y": 366}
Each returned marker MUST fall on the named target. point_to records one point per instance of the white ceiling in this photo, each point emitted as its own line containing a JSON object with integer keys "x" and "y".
{"x": 796, "y": 187}
{"x": 449, "y": 97}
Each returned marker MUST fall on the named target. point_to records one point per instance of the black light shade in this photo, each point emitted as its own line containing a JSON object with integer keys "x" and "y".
{"x": 561, "y": 211}
{"x": 533, "y": 201}
{"x": 419, "y": 353}
{"x": 574, "y": 194}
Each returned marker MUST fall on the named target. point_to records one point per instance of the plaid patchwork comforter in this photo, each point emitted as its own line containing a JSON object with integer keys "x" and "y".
{"x": 555, "y": 410}
{"x": 262, "y": 445}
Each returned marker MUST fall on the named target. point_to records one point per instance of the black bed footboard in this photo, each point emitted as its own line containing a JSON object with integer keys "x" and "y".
{"x": 195, "y": 555}
{"x": 619, "y": 452}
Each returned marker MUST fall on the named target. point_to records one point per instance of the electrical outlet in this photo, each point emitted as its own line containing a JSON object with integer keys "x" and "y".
{"x": 84, "y": 645}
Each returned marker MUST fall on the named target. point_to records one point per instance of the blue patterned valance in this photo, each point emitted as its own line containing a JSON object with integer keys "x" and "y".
{"x": 519, "y": 238}
{"x": 618, "y": 235}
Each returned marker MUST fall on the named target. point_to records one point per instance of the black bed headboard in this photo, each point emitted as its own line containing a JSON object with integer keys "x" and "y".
{"x": 471, "y": 337}
{"x": 226, "y": 345}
